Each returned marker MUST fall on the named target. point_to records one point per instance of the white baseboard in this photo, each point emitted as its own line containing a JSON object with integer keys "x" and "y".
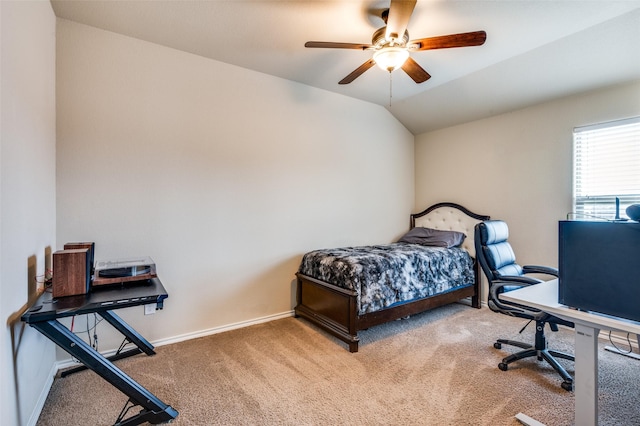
{"x": 221, "y": 329}
{"x": 35, "y": 414}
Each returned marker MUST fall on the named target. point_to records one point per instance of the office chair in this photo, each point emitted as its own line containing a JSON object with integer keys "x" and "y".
{"x": 498, "y": 261}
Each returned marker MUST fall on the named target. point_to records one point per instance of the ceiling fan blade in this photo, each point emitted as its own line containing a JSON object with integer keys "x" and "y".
{"x": 332, "y": 45}
{"x": 475, "y": 38}
{"x": 399, "y": 14}
{"x": 415, "y": 71}
{"x": 357, "y": 72}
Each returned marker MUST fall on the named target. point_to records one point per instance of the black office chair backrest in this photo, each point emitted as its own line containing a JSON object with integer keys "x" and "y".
{"x": 495, "y": 254}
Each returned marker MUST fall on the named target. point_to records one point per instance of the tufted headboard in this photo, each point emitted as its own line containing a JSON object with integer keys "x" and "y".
{"x": 450, "y": 217}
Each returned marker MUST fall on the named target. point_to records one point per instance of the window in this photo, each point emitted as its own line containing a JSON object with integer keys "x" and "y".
{"x": 606, "y": 167}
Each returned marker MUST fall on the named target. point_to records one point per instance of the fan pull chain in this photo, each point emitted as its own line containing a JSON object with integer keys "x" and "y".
{"x": 390, "y": 87}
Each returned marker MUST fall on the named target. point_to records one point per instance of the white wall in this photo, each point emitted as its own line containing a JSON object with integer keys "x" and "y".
{"x": 517, "y": 166}
{"x": 27, "y": 200}
{"x": 224, "y": 176}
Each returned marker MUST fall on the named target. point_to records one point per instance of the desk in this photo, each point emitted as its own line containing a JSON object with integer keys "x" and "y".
{"x": 544, "y": 296}
{"x": 44, "y": 315}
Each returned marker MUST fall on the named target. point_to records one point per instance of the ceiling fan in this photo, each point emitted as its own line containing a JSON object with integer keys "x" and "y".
{"x": 391, "y": 44}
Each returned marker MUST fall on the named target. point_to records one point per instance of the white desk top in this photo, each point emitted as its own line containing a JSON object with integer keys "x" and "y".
{"x": 544, "y": 296}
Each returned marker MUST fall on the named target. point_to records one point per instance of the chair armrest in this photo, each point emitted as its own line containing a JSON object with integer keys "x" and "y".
{"x": 519, "y": 279}
{"x": 536, "y": 269}
{"x": 512, "y": 309}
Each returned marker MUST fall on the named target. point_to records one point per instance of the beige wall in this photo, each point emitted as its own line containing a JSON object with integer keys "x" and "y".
{"x": 224, "y": 176}
{"x": 27, "y": 200}
{"x": 517, "y": 166}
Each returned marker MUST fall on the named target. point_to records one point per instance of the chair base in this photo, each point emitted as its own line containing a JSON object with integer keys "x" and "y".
{"x": 540, "y": 351}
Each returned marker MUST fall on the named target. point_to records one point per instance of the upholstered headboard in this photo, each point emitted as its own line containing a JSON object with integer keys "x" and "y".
{"x": 451, "y": 217}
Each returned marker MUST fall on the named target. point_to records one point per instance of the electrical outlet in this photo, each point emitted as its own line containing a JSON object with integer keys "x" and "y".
{"x": 149, "y": 309}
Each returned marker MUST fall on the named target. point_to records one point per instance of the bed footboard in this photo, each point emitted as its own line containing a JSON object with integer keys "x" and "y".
{"x": 329, "y": 307}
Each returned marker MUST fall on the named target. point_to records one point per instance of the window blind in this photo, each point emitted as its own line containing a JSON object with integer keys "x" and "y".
{"x": 606, "y": 167}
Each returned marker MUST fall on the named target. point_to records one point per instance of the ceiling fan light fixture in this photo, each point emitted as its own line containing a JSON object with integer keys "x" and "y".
{"x": 391, "y": 58}
{"x": 390, "y": 51}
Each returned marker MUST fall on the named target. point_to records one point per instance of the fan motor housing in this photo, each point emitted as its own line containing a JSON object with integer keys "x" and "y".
{"x": 379, "y": 40}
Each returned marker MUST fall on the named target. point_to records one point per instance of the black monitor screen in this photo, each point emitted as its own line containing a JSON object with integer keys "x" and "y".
{"x": 599, "y": 267}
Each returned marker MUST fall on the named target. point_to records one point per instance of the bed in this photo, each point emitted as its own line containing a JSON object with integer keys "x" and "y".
{"x": 349, "y": 289}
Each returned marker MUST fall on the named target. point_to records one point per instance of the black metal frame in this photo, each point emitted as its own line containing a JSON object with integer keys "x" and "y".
{"x": 131, "y": 336}
{"x": 153, "y": 410}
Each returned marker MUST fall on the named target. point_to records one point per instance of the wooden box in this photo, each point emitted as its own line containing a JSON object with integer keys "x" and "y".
{"x": 71, "y": 272}
{"x": 82, "y": 245}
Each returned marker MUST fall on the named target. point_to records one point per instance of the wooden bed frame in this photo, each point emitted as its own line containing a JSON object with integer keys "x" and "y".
{"x": 335, "y": 309}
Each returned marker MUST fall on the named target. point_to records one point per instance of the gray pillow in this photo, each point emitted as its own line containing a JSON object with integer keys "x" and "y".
{"x": 433, "y": 237}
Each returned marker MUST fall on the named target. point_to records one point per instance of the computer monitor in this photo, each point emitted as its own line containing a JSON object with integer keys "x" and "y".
{"x": 599, "y": 266}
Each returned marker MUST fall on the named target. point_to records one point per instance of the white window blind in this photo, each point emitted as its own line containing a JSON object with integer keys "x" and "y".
{"x": 606, "y": 167}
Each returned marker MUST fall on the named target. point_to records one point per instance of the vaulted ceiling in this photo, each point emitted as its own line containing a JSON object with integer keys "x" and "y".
{"x": 536, "y": 50}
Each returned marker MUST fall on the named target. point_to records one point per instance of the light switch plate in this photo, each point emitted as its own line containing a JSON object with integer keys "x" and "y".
{"x": 149, "y": 309}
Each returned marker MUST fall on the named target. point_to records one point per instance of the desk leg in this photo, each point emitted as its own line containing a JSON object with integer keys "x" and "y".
{"x": 586, "y": 382}
{"x": 142, "y": 345}
{"x": 124, "y": 328}
{"x": 154, "y": 410}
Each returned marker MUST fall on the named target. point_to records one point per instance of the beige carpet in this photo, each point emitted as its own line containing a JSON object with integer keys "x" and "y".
{"x": 436, "y": 368}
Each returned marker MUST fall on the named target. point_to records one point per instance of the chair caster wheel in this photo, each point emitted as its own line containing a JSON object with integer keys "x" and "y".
{"x": 568, "y": 386}
{"x": 503, "y": 366}
{"x": 497, "y": 345}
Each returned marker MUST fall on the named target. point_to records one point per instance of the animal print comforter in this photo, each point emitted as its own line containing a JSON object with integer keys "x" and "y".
{"x": 384, "y": 275}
